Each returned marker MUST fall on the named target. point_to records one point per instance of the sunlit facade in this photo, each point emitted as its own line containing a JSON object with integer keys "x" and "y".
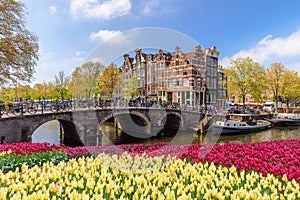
{"x": 193, "y": 78}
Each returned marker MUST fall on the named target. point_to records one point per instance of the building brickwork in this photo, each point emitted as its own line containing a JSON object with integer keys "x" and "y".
{"x": 193, "y": 78}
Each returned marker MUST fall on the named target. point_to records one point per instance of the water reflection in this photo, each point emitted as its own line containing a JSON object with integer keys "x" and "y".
{"x": 48, "y": 132}
{"x": 112, "y": 136}
{"x": 275, "y": 133}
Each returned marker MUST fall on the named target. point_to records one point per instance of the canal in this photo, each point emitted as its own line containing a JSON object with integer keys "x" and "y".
{"x": 50, "y": 132}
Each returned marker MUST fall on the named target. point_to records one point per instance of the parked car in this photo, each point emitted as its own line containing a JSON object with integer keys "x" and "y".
{"x": 269, "y": 106}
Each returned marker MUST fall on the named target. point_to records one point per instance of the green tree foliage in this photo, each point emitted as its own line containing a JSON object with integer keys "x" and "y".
{"x": 283, "y": 83}
{"x": 245, "y": 76}
{"x": 109, "y": 81}
{"x": 131, "y": 88}
{"x": 23, "y": 92}
{"x": 289, "y": 85}
{"x": 42, "y": 90}
{"x": 61, "y": 86}
{"x": 298, "y": 89}
{"x": 18, "y": 46}
{"x": 85, "y": 78}
{"x": 16, "y": 93}
{"x": 274, "y": 78}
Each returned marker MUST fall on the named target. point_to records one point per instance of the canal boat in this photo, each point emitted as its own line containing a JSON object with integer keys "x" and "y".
{"x": 285, "y": 119}
{"x": 239, "y": 125}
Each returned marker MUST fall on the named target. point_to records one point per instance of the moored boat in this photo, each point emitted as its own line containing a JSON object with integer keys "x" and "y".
{"x": 285, "y": 119}
{"x": 239, "y": 126}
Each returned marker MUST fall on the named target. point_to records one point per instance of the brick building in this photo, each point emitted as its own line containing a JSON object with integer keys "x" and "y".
{"x": 191, "y": 78}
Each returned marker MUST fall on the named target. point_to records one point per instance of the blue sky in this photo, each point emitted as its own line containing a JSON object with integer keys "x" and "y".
{"x": 70, "y": 31}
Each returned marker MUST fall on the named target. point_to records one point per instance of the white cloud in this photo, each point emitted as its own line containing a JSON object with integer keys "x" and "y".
{"x": 80, "y": 53}
{"x": 157, "y": 7}
{"x": 149, "y": 6}
{"x": 115, "y": 47}
{"x": 52, "y": 10}
{"x": 50, "y": 64}
{"x": 103, "y": 35}
{"x": 95, "y": 9}
{"x": 269, "y": 50}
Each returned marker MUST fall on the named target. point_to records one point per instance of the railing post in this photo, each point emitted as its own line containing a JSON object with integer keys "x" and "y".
{"x": 43, "y": 103}
{"x": 73, "y": 102}
{"x": 21, "y": 109}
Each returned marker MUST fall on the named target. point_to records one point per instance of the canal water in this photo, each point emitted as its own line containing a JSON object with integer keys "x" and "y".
{"x": 49, "y": 132}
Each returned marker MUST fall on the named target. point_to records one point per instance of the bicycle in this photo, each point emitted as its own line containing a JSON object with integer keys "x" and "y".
{"x": 31, "y": 108}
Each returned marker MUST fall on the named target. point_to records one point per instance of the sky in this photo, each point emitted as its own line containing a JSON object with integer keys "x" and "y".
{"x": 71, "y": 32}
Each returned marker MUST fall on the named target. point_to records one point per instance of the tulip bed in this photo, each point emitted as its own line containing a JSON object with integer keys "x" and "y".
{"x": 267, "y": 170}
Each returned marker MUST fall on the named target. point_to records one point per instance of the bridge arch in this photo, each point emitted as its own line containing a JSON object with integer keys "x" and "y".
{"x": 67, "y": 135}
{"x": 47, "y": 132}
{"x": 77, "y": 124}
{"x": 70, "y": 135}
{"x": 167, "y": 118}
{"x": 136, "y": 113}
{"x": 104, "y": 119}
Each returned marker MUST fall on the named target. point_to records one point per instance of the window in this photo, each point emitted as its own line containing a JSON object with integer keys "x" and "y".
{"x": 185, "y": 83}
{"x": 170, "y": 84}
{"x": 215, "y": 84}
{"x": 143, "y": 83}
{"x": 188, "y": 95}
{"x": 177, "y": 62}
{"x": 184, "y": 72}
{"x": 177, "y": 72}
{"x": 170, "y": 74}
{"x": 177, "y": 83}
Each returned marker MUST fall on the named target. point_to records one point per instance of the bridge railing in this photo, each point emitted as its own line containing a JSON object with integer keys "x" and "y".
{"x": 41, "y": 107}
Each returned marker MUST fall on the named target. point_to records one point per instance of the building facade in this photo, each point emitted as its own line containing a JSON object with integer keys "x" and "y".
{"x": 193, "y": 78}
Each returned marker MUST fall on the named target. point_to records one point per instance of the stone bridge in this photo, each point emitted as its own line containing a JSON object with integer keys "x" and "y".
{"x": 79, "y": 125}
